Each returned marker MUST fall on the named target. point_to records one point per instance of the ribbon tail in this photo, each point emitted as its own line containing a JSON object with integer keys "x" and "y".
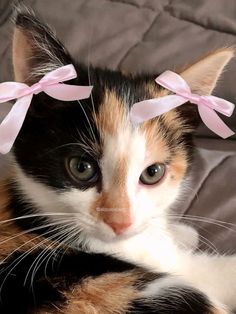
{"x": 11, "y": 125}
{"x": 12, "y": 90}
{"x": 223, "y": 106}
{"x": 67, "y": 92}
{"x": 148, "y": 109}
{"x": 214, "y": 122}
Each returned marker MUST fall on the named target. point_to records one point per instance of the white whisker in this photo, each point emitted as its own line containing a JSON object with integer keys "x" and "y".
{"x": 25, "y": 254}
{"x": 40, "y": 258}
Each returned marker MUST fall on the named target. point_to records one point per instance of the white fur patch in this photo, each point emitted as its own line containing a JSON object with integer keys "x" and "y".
{"x": 157, "y": 286}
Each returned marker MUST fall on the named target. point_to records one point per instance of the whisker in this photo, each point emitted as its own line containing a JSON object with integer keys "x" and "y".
{"x": 34, "y": 215}
{"x": 86, "y": 116}
{"x": 32, "y": 230}
{"x": 211, "y": 221}
{"x": 80, "y": 144}
{"x": 59, "y": 248}
{"x": 19, "y": 259}
{"x": 40, "y": 258}
{"x": 205, "y": 241}
{"x": 216, "y": 222}
{"x": 208, "y": 244}
{"x": 89, "y": 75}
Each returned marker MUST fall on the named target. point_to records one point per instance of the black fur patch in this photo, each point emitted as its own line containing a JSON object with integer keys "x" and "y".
{"x": 21, "y": 293}
{"x": 174, "y": 300}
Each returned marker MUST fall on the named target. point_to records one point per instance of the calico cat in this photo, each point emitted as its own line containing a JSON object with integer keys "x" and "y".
{"x": 84, "y": 215}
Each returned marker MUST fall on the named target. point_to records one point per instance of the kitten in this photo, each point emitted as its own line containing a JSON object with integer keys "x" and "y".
{"x": 85, "y": 225}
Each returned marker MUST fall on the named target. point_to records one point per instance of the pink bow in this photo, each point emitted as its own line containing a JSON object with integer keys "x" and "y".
{"x": 207, "y": 105}
{"x": 49, "y": 84}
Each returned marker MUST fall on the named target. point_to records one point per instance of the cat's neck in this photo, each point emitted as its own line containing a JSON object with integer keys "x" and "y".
{"x": 149, "y": 249}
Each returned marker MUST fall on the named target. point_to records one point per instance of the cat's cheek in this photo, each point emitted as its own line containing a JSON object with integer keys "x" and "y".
{"x": 153, "y": 207}
{"x": 78, "y": 201}
{"x": 161, "y": 195}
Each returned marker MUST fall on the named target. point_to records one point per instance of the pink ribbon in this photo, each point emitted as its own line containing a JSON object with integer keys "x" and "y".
{"x": 51, "y": 84}
{"x": 207, "y": 105}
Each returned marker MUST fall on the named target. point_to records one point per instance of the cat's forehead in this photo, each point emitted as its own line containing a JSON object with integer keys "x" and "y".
{"x": 124, "y": 144}
{"x": 116, "y": 94}
{"x": 112, "y": 117}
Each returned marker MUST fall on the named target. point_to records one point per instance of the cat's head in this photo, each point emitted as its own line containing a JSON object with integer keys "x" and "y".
{"x": 83, "y": 162}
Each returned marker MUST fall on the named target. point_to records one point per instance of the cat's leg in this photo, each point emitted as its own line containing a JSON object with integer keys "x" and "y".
{"x": 215, "y": 275}
{"x": 129, "y": 293}
{"x": 95, "y": 284}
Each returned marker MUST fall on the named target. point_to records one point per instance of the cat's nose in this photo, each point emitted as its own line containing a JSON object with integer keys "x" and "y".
{"x": 119, "y": 228}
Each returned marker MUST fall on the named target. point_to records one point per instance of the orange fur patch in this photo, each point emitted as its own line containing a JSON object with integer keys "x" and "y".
{"x": 156, "y": 144}
{"x": 111, "y": 116}
{"x": 159, "y": 151}
{"x": 178, "y": 166}
{"x": 113, "y": 207}
{"x": 107, "y": 294}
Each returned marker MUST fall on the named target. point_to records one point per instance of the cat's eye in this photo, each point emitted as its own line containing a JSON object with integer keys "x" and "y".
{"x": 83, "y": 170}
{"x": 153, "y": 174}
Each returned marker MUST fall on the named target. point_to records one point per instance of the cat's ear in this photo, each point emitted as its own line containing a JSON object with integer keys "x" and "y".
{"x": 202, "y": 78}
{"x": 203, "y": 75}
{"x": 36, "y": 50}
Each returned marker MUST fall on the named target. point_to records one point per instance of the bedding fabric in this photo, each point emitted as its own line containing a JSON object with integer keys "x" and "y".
{"x": 152, "y": 36}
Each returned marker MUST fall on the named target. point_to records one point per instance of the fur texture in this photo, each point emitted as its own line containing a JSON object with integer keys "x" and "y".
{"x": 105, "y": 244}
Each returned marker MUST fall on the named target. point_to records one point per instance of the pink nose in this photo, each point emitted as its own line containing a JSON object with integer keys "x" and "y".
{"x": 119, "y": 228}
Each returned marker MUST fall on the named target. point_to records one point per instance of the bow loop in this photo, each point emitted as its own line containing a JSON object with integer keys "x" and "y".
{"x": 174, "y": 83}
{"x": 59, "y": 75}
{"x": 207, "y": 105}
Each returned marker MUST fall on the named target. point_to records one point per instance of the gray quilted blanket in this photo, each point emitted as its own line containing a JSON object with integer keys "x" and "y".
{"x": 152, "y": 36}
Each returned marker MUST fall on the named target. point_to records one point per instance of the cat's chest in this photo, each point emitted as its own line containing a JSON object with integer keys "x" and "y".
{"x": 152, "y": 249}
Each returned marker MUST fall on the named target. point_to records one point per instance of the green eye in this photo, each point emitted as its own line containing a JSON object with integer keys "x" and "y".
{"x": 152, "y": 174}
{"x": 82, "y": 169}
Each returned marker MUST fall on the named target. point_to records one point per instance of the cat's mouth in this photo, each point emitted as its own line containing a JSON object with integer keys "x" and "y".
{"x": 106, "y": 234}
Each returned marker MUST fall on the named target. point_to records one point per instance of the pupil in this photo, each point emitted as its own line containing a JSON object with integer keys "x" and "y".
{"x": 82, "y": 167}
{"x": 152, "y": 171}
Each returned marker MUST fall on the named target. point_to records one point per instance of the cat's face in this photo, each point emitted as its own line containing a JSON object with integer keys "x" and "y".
{"x": 94, "y": 163}
{"x": 83, "y": 162}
